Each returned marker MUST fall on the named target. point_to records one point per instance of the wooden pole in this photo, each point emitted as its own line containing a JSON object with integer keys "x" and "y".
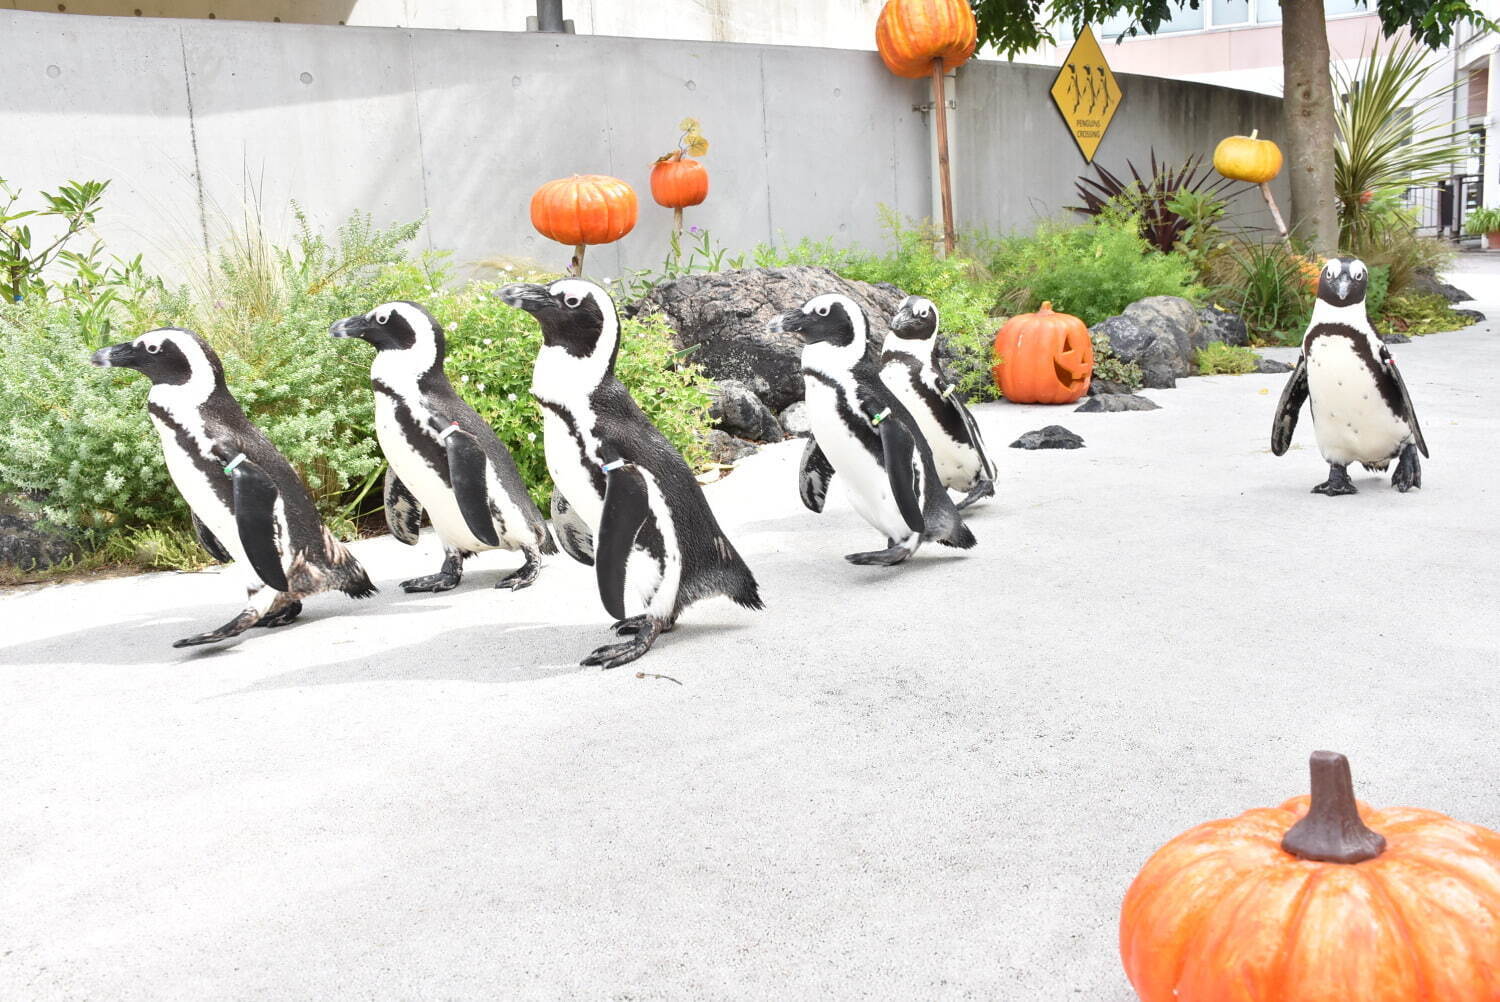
{"x": 940, "y": 109}
{"x": 677, "y": 221}
{"x": 576, "y": 266}
{"x": 1265, "y": 189}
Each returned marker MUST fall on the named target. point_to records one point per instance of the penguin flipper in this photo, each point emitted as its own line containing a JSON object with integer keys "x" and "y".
{"x": 626, "y": 508}
{"x": 814, "y": 476}
{"x": 210, "y": 542}
{"x": 972, "y": 428}
{"x": 573, "y": 533}
{"x": 255, "y": 498}
{"x": 468, "y": 472}
{"x": 1411, "y": 412}
{"x": 901, "y": 460}
{"x": 1293, "y": 396}
{"x": 403, "y": 512}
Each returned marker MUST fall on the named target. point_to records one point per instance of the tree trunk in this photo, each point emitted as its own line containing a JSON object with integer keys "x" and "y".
{"x": 1308, "y": 110}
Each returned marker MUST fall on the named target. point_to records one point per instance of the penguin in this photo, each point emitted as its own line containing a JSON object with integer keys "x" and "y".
{"x": 248, "y": 504}
{"x": 861, "y": 429}
{"x": 628, "y": 503}
{"x": 908, "y": 368}
{"x": 1360, "y": 407}
{"x": 442, "y": 455}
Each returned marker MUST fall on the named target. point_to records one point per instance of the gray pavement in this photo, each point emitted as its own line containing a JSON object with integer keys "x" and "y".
{"x": 934, "y": 781}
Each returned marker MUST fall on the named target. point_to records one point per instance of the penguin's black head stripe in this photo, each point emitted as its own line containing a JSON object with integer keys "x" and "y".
{"x": 160, "y": 357}
{"x": 1343, "y": 281}
{"x": 915, "y": 320}
{"x": 830, "y": 324}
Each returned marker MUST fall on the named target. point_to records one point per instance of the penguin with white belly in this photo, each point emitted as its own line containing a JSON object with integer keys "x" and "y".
{"x": 248, "y": 503}
{"x": 1360, "y": 407}
{"x": 862, "y": 431}
{"x": 626, "y": 500}
{"x": 909, "y": 369}
{"x": 443, "y": 456}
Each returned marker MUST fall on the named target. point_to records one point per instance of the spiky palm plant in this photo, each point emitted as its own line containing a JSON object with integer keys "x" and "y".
{"x": 1151, "y": 196}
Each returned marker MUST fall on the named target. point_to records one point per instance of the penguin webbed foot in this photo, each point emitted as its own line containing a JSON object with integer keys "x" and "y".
{"x": 980, "y": 491}
{"x": 1408, "y": 472}
{"x": 239, "y": 624}
{"x": 1338, "y": 482}
{"x": 441, "y": 581}
{"x": 282, "y": 616}
{"x": 888, "y": 557}
{"x": 634, "y": 624}
{"x": 523, "y": 576}
{"x": 614, "y": 655}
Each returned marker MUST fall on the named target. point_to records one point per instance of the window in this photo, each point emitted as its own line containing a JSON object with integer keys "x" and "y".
{"x": 1230, "y": 12}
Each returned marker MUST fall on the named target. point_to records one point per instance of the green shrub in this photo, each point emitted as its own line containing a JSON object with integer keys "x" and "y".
{"x": 1092, "y": 271}
{"x": 1419, "y": 314}
{"x": 1216, "y": 358}
{"x": 1267, "y": 284}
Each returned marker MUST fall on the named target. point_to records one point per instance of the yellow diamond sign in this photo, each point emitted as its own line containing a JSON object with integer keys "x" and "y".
{"x": 1086, "y": 93}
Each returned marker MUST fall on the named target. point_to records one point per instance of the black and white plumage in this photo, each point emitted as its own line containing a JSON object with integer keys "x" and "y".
{"x": 443, "y": 457}
{"x": 908, "y": 367}
{"x": 861, "y": 430}
{"x": 626, "y": 501}
{"x": 1360, "y": 407}
{"x": 248, "y": 504}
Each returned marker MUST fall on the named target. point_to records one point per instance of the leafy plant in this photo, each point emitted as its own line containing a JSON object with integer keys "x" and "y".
{"x": 1420, "y": 314}
{"x": 1151, "y": 198}
{"x": 1217, "y": 358}
{"x": 1485, "y": 220}
{"x": 1268, "y": 285}
{"x": 700, "y": 254}
{"x": 75, "y": 203}
{"x": 1108, "y": 365}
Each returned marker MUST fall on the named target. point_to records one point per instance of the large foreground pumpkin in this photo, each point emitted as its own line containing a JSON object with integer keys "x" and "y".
{"x": 1319, "y": 900}
{"x": 1043, "y": 358}
{"x": 584, "y": 209}
{"x": 910, "y": 34}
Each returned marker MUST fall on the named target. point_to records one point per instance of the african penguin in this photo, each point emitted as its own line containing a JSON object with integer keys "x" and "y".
{"x": 861, "y": 430}
{"x": 1360, "y": 408}
{"x": 248, "y": 503}
{"x": 629, "y": 504}
{"x": 442, "y": 455}
{"x": 909, "y": 369}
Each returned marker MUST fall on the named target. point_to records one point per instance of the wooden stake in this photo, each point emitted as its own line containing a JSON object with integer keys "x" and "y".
{"x": 677, "y": 220}
{"x": 575, "y": 268}
{"x": 940, "y": 109}
{"x": 1265, "y": 189}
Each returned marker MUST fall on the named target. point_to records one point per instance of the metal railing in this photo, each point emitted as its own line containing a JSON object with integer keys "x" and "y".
{"x": 1442, "y": 208}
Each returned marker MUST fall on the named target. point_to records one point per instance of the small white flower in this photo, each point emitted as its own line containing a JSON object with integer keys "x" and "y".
{"x": 506, "y": 267}
{"x": 489, "y": 340}
{"x": 481, "y": 387}
{"x": 463, "y": 379}
{"x": 531, "y": 436}
{"x": 511, "y": 396}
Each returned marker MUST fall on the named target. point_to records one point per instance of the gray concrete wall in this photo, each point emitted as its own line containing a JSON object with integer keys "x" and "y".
{"x": 194, "y": 119}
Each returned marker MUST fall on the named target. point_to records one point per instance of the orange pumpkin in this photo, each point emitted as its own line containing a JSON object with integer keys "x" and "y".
{"x": 1322, "y": 899}
{"x": 584, "y": 209}
{"x": 1043, "y": 358}
{"x": 679, "y": 183}
{"x": 910, "y": 34}
{"x": 1245, "y": 158}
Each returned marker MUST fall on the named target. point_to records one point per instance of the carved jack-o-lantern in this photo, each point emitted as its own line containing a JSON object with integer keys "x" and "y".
{"x": 1043, "y": 358}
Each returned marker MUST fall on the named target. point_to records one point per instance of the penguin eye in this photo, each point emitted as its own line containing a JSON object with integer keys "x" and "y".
{"x": 1357, "y": 273}
{"x": 572, "y": 302}
{"x": 822, "y": 311}
{"x": 153, "y": 349}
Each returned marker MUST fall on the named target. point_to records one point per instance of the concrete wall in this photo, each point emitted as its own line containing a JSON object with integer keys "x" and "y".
{"x": 193, "y": 119}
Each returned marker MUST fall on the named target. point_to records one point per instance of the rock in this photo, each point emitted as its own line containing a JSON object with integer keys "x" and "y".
{"x": 1473, "y": 316}
{"x": 1155, "y": 351}
{"x": 1054, "y": 436}
{"x": 1115, "y": 402}
{"x": 1270, "y": 365}
{"x": 1103, "y": 387}
{"x": 724, "y": 315}
{"x": 30, "y": 546}
{"x": 1428, "y": 284}
{"x": 725, "y": 448}
{"x": 1394, "y": 337}
{"x": 794, "y": 420}
{"x": 1219, "y": 325}
{"x": 737, "y": 410}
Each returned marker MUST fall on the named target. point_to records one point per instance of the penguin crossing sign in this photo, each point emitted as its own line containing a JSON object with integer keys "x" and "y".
{"x": 1086, "y": 93}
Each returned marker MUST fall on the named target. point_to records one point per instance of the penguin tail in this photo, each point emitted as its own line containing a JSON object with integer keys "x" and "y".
{"x": 735, "y": 578}
{"x": 358, "y": 585}
{"x": 748, "y": 592}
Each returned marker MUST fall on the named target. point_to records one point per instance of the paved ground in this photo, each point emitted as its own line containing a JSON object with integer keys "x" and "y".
{"x": 928, "y": 782}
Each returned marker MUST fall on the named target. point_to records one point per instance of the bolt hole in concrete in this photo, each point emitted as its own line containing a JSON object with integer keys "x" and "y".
{"x": 690, "y": 85}
{"x": 305, "y": 77}
{"x": 515, "y": 81}
{"x": 54, "y": 72}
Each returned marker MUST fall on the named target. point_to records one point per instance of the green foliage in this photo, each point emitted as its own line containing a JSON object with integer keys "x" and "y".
{"x": 22, "y": 256}
{"x": 1376, "y": 288}
{"x": 1480, "y": 221}
{"x": 1418, "y": 315}
{"x": 1267, "y": 284}
{"x": 1158, "y": 199}
{"x": 958, "y": 285}
{"x": 1108, "y": 365}
{"x": 1092, "y": 271}
{"x": 1216, "y": 358}
{"x": 698, "y": 254}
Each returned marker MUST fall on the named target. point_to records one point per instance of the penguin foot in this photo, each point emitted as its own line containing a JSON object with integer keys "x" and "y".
{"x": 881, "y": 558}
{"x": 983, "y": 489}
{"x": 633, "y": 625}
{"x": 522, "y": 576}
{"x": 1338, "y": 482}
{"x": 233, "y": 628}
{"x": 443, "y": 580}
{"x": 282, "y": 616}
{"x": 614, "y": 655}
{"x": 1408, "y": 470}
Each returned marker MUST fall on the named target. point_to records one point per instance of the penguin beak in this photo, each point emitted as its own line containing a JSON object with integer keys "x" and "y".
{"x": 1341, "y": 286}
{"x": 117, "y": 356}
{"x": 359, "y": 327}
{"x": 790, "y": 322}
{"x": 531, "y": 298}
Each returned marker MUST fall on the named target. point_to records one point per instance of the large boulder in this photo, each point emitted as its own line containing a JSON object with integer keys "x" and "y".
{"x": 1427, "y": 284}
{"x": 29, "y": 545}
{"x": 724, "y": 315}
{"x": 727, "y": 450}
{"x": 737, "y": 410}
{"x": 1161, "y": 334}
{"x": 1219, "y": 325}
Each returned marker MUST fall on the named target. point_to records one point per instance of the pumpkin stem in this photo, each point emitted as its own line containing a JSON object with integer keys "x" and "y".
{"x": 575, "y": 267}
{"x": 1332, "y": 831}
{"x": 1046, "y": 306}
{"x": 1254, "y": 133}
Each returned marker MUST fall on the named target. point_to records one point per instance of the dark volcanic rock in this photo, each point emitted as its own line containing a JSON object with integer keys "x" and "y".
{"x": 794, "y": 420}
{"x": 1268, "y": 365}
{"x": 1394, "y": 337}
{"x": 1161, "y": 334}
{"x": 725, "y": 448}
{"x": 725, "y": 315}
{"x": 1054, "y": 436}
{"x": 1428, "y": 284}
{"x": 1219, "y": 325}
{"x": 30, "y": 546}
{"x": 1104, "y": 387}
{"x": 737, "y": 410}
{"x": 1473, "y": 316}
{"x": 1112, "y": 403}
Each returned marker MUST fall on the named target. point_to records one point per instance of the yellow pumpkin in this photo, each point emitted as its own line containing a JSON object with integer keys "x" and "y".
{"x": 1245, "y": 158}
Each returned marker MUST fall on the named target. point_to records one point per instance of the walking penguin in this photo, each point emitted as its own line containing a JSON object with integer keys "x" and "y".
{"x": 908, "y": 367}
{"x": 443, "y": 457}
{"x": 1360, "y": 408}
{"x": 248, "y": 503}
{"x": 861, "y": 430}
{"x": 626, "y": 501}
